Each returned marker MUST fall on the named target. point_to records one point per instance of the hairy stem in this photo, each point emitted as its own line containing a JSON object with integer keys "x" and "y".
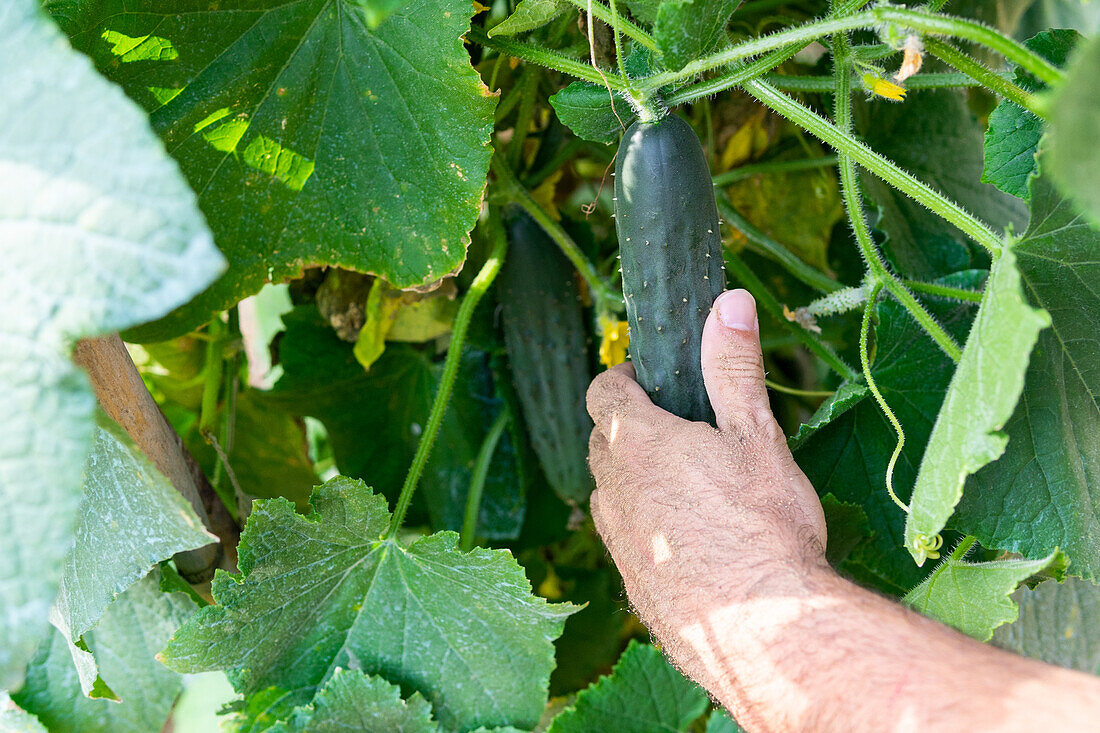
{"x": 994, "y": 82}
{"x": 477, "y": 479}
{"x": 944, "y": 291}
{"x": 799, "y": 34}
{"x": 923, "y": 21}
{"x": 734, "y": 77}
{"x": 885, "y": 169}
{"x": 478, "y": 288}
{"x": 543, "y": 57}
{"x": 827, "y": 84}
{"x": 849, "y": 188}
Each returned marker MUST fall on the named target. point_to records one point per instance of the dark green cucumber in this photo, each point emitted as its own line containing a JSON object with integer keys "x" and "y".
{"x": 545, "y": 337}
{"x": 671, "y": 252}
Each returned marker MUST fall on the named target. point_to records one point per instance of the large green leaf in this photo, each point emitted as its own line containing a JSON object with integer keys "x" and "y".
{"x": 1042, "y": 493}
{"x": 311, "y": 137}
{"x": 643, "y": 694}
{"x": 934, "y": 136}
{"x": 324, "y": 591}
{"x": 125, "y": 642}
{"x": 130, "y": 518}
{"x": 983, "y": 393}
{"x": 352, "y": 700}
{"x": 1012, "y": 137}
{"x": 1074, "y": 120}
{"x": 973, "y": 597}
{"x": 98, "y": 232}
{"x": 848, "y": 452}
{"x": 1059, "y": 623}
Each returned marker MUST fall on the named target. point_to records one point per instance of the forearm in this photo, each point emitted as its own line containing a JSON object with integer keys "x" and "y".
{"x": 811, "y": 652}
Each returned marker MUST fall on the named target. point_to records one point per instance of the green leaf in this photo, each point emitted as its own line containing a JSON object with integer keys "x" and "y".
{"x": 1012, "y": 138}
{"x": 848, "y": 455}
{"x": 847, "y": 396}
{"x": 133, "y": 628}
{"x": 323, "y": 591}
{"x": 586, "y": 109}
{"x": 643, "y": 693}
{"x": 352, "y": 700}
{"x": 1074, "y": 119}
{"x": 1042, "y": 493}
{"x": 125, "y": 497}
{"x": 529, "y": 15}
{"x": 270, "y": 454}
{"x": 973, "y": 597}
{"x": 980, "y": 400}
{"x": 1059, "y": 623}
{"x": 313, "y": 138}
{"x": 847, "y": 526}
{"x": 934, "y": 136}
{"x": 687, "y": 29}
{"x": 721, "y": 722}
{"x": 322, "y": 379}
{"x": 99, "y": 232}
{"x": 15, "y": 720}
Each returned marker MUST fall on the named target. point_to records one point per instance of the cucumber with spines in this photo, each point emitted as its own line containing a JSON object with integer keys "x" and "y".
{"x": 671, "y": 257}
{"x": 545, "y": 338}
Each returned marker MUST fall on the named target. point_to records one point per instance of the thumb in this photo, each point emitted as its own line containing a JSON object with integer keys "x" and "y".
{"x": 733, "y": 367}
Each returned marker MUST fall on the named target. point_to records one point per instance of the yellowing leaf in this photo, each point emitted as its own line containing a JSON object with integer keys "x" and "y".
{"x": 381, "y": 307}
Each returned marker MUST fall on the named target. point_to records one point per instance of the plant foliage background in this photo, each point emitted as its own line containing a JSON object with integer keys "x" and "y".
{"x": 295, "y": 213}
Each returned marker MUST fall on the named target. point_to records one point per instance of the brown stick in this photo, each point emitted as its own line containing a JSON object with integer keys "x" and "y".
{"x": 123, "y": 395}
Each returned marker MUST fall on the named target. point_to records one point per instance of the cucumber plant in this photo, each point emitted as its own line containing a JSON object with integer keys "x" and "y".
{"x": 277, "y": 244}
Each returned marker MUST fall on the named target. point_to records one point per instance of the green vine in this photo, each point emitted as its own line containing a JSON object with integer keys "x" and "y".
{"x": 478, "y": 288}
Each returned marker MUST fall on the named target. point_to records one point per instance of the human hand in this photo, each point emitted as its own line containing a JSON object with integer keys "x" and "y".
{"x": 689, "y": 511}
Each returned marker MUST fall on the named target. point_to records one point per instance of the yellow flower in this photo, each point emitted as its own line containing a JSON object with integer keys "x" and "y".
{"x": 883, "y": 88}
{"x": 613, "y": 341}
